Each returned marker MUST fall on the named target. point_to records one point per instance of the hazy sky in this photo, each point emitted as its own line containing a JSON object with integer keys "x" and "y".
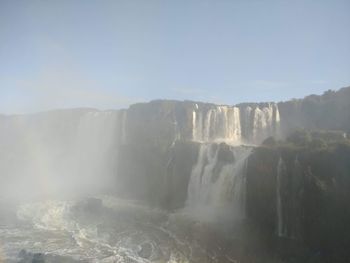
{"x": 108, "y": 54}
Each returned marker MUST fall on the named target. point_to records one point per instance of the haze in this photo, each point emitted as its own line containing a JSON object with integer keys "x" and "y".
{"x": 109, "y": 54}
{"x": 184, "y": 131}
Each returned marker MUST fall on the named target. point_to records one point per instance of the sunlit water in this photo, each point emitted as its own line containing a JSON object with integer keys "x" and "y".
{"x": 110, "y": 231}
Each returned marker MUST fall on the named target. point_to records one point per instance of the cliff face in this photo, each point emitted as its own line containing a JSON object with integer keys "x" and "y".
{"x": 296, "y": 196}
{"x": 152, "y": 129}
{"x": 302, "y": 194}
{"x": 173, "y": 154}
{"x": 187, "y": 155}
{"x": 293, "y": 193}
{"x": 163, "y": 122}
{"x": 137, "y": 144}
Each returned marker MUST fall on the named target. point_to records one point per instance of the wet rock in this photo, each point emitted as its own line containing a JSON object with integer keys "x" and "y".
{"x": 225, "y": 154}
{"x": 315, "y": 194}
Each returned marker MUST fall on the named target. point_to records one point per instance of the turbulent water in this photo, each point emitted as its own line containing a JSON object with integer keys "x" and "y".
{"x": 217, "y": 185}
{"x": 103, "y": 229}
{"x": 58, "y": 153}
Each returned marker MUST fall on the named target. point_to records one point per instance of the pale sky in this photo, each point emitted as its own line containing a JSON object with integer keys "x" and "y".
{"x": 109, "y": 54}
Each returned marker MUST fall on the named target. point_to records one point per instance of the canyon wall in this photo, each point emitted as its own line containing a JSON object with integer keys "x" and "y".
{"x": 300, "y": 194}
{"x": 190, "y": 155}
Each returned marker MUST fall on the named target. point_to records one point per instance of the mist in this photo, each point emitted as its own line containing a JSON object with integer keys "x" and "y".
{"x": 59, "y": 153}
{"x": 174, "y": 131}
{"x": 177, "y": 181}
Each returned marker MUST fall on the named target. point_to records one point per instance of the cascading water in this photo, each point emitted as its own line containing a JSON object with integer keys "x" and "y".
{"x": 194, "y": 125}
{"x": 216, "y": 183}
{"x": 235, "y": 125}
{"x": 220, "y": 124}
{"x": 260, "y": 123}
{"x": 217, "y": 180}
{"x": 76, "y": 151}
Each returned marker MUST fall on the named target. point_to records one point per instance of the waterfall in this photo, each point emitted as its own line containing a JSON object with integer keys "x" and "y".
{"x": 207, "y": 126}
{"x": 258, "y": 123}
{"x": 280, "y": 200}
{"x": 277, "y": 121}
{"x": 197, "y": 126}
{"x": 221, "y": 123}
{"x": 264, "y": 123}
{"x": 217, "y": 180}
{"x": 236, "y": 125}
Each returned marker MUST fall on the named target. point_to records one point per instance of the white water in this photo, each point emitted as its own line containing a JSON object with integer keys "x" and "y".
{"x": 215, "y": 186}
{"x": 61, "y": 154}
{"x": 123, "y": 231}
{"x": 235, "y": 125}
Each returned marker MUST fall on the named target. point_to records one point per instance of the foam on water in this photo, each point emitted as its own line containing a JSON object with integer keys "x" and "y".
{"x": 122, "y": 232}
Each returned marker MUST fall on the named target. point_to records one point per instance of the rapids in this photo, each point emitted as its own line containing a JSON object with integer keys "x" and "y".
{"x": 103, "y": 229}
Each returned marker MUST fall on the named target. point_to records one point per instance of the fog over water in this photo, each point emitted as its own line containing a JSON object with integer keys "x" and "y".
{"x": 174, "y": 131}
{"x": 59, "y": 198}
{"x": 58, "y": 152}
{"x": 168, "y": 181}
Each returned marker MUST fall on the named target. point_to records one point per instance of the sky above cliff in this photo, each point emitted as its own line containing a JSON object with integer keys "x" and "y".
{"x": 109, "y": 54}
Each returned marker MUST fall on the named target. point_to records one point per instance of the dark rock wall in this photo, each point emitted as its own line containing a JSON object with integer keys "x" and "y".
{"x": 315, "y": 196}
{"x": 158, "y": 175}
{"x": 183, "y": 157}
{"x": 159, "y": 122}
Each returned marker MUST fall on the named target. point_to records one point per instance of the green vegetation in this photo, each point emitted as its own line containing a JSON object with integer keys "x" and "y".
{"x": 303, "y": 139}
